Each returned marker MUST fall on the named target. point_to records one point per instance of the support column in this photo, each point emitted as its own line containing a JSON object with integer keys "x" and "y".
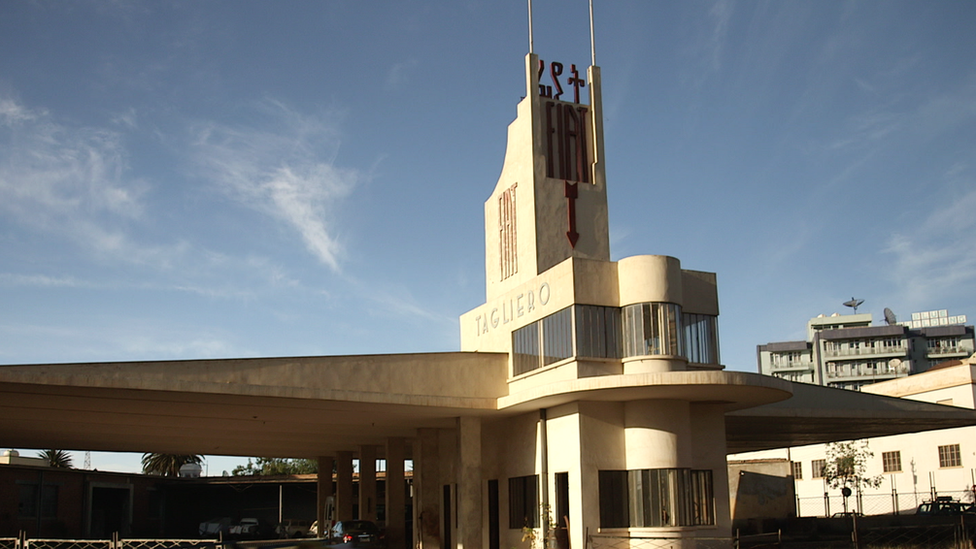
{"x": 325, "y": 508}
{"x": 344, "y": 486}
{"x": 396, "y": 501}
{"x": 469, "y": 483}
{"x": 426, "y": 485}
{"x": 367, "y": 483}
{"x": 657, "y": 434}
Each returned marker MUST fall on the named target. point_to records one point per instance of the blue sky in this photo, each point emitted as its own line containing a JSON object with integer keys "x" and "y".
{"x": 238, "y": 179}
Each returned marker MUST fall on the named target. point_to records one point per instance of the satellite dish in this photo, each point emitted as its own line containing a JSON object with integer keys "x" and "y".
{"x": 854, "y": 304}
{"x": 890, "y": 319}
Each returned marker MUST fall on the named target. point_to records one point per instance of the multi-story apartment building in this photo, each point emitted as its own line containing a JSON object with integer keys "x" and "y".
{"x": 848, "y": 351}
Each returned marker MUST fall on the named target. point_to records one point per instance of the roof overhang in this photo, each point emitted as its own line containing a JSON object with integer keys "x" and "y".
{"x": 816, "y": 414}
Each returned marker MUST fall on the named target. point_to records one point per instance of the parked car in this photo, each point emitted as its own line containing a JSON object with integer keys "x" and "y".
{"x": 215, "y": 527}
{"x": 291, "y": 529}
{"x": 250, "y": 528}
{"x": 361, "y": 534}
{"x": 945, "y": 505}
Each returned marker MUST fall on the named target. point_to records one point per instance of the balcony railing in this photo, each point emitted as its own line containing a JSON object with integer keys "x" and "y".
{"x": 864, "y": 351}
{"x": 953, "y": 350}
{"x": 791, "y": 365}
{"x": 865, "y": 372}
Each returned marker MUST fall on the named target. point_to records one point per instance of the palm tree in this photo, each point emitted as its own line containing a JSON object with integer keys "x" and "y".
{"x": 167, "y": 465}
{"x": 57, "y": 458}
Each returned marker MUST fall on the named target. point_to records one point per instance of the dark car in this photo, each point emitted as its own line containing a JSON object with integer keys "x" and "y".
{"x": 945, "y": 506}
{"x": 361, "y": 534}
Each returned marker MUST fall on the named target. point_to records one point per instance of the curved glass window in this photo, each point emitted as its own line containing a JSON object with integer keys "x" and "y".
{"x": 701, "y": 338}
{"x": 652, "y": 329}
{"x": 654, "y": 498}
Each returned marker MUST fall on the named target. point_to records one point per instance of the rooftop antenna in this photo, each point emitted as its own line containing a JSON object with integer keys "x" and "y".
{"x": 530, "y": 27}
{"x": 854, "y": 303}
{"x": 592, "y": 39}
{"x": 890, "y": 319}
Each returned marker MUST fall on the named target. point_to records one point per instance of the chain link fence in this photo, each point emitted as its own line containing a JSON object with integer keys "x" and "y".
{"x": 893, "y": 503}
{"x": 758, "y": 541}
{"x": 23, "y": 542}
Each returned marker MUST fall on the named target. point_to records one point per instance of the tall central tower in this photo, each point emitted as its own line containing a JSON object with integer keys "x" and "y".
{"x": 550, "y": 202}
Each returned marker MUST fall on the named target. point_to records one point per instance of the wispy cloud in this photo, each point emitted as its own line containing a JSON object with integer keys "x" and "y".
{"x": 398, "y": 75}
{"x": 283, "y": 168}
{"x": 40, "y": 280}
{"x": 65, "y": 180}
{"x": 935, "y": 259}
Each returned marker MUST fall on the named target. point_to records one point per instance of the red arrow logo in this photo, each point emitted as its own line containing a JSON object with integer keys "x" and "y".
{"x": 571, "y": 195}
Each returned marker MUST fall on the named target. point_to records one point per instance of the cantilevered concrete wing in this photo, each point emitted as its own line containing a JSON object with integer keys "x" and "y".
{"x": 816, "y": 414}
{"x": 274, "y": 407}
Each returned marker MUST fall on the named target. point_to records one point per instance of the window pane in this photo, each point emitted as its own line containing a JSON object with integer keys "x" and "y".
{"x": 949, "y": 456}
{"x": 656, "y": 497}
{"x": 597, "y": 331}
{"x": 891, "y": 461}
{"x": 653, "y": 329}
{"x": 523, "y": 503}
{"x": 817, "y": 468}
{"x": 525, "y": 347}
{"x": 614, "y": 510}
{"x": 701, "y": 338}
{"x": 557, "y": 337}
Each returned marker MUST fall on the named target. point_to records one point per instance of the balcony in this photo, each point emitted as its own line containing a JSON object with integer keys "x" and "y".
{"x": 864, "y": 372}
{"x": 948, "y": 351}
{"x": 898, "y": 350}
{"x": 791, "y": 365}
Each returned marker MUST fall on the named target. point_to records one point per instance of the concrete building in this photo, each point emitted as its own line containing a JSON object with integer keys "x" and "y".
{"x": 912, "y": 468}
{"x": 587, "y": 407}
{"x": 848, "y": 351}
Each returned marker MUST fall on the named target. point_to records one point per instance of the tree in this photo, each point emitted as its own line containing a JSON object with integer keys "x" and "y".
{"x": 846, "y": 467}
{"x": 276, "y": 467}
{"x": 57, "y": 458}
{"x": 167, "y": 465}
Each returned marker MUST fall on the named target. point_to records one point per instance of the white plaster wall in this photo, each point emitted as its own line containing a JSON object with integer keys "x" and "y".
{"x": 709, "y": 452}
{"x": 564, "y": 439}
{"x": 649, "y": 278}
{"x": 657, "y": 434}
{"x": 601, "y": 448}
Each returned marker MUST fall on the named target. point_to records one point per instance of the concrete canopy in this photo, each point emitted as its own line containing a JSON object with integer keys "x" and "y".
{"x": 269, "y": 407}
{"x": 316, "y": 406}
{"x": 817, "y": 414}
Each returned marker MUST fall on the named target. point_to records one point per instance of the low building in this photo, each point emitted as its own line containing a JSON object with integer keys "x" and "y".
{"x": 46, "y": 502}
{"x": 911, "y": 468}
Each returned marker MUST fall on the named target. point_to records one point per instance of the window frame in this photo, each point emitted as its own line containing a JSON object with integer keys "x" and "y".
{"x": 656, "y": 498}
{"x": 950, "y": 456}
{"x": 796, "y": 468}
{"x": 817, "y": 468}
{"x": 891, "y": 461}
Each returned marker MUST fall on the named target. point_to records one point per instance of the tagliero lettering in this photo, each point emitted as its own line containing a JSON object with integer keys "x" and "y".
{"x": 513, "y": 308}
